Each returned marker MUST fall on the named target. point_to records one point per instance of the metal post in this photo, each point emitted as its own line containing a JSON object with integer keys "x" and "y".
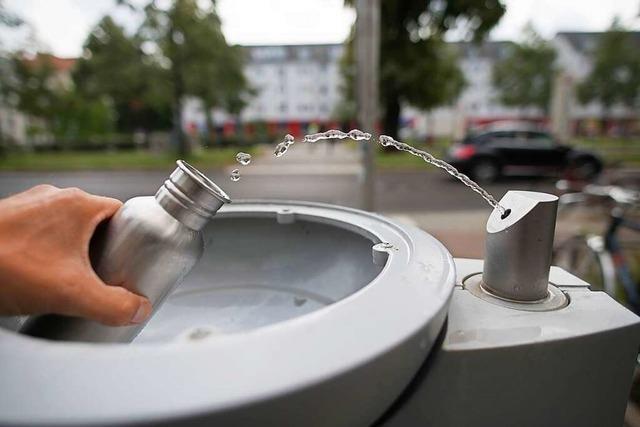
{"x": 367, "y": 66}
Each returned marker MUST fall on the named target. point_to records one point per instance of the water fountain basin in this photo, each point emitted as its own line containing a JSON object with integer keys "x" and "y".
{"x": 288, "y": 319}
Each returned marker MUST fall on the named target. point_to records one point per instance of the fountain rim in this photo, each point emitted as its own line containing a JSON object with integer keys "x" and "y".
{"x": 417, "y": 296}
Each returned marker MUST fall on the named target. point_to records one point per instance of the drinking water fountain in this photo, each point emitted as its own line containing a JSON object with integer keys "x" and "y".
{"x": 307, "y": 314}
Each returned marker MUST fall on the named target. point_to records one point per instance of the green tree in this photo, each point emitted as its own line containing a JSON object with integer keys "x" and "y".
{"x": 114, "y": 67}
{"x": 524, "y": 78}
{"x": 416, "y": 66}
{"x": 77, "y": 119}
{"x": 64, "y": 114}
{"x": 215, "y": 74}
{"x": 615, "y": 76}
{"x": 7, "y": 20}
{"x": 30, "y": 88}
{"x": 198, "y": 60}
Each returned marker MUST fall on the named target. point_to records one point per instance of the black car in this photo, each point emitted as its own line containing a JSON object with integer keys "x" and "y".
{"x": 486, "y": 156}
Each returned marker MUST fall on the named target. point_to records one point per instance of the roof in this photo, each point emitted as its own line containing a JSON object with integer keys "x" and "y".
{"x": 59, "y": 64}
{"x": 303, "y": 52}
{"x": 585, "y": 42}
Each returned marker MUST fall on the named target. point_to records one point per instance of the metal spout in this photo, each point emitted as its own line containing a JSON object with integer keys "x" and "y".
{"x": 190, "y": 197}
{"x": 519, "y": 247}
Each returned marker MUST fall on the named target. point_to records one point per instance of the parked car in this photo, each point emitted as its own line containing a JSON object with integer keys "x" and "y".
{"x": 488, "y": 155}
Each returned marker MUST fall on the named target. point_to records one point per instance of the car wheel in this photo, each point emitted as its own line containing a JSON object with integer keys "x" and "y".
{"x": 585, "y": 169}
{"x": 485, "y": 171}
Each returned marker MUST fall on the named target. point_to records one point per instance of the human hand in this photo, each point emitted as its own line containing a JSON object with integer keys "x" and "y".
{"x": 44, "y": 258}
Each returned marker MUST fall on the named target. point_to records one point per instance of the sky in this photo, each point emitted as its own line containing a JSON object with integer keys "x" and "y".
{"x": 61, "y": 26}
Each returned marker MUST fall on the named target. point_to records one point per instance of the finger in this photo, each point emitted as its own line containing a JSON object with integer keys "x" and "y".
{"x": 110, "y": 305}
{"x": 105, "y": 207}
{"x": 99, "y": 209}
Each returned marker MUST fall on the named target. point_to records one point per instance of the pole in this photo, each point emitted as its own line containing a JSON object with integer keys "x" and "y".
{"x": 367, "y": 67}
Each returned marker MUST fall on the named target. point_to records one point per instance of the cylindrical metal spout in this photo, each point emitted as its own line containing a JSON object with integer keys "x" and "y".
{"x": 519, "y": 246}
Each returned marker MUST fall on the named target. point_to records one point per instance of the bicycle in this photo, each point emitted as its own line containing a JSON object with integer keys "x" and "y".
{"x": 601, "y": 259}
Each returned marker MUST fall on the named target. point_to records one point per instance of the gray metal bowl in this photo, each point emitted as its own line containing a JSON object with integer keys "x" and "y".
{"x": 287, "y": 320}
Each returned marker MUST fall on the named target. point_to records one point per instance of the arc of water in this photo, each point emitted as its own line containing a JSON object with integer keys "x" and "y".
{"x": 386, "y": 141}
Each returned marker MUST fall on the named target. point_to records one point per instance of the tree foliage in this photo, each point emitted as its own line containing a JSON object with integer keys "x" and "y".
{"x": 140, "y": 80}
{"x": 115, "y": 67}
{"x": 416, "y": 66}
{"x": 524, "y": 78}
{"x": 190, "y": 45}
{"x": 36, "y": 89}
{"x": 615, "y": 76}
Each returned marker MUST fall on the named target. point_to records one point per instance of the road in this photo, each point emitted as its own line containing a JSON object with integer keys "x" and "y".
{"x": 320, "y": 174}
{"x": 401, "y": 192}
{"x": 429, "y": 199}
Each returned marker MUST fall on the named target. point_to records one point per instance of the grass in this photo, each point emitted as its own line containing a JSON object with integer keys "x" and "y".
{"x": 392, "y": 159}
{"x": 613, "y": 151}
{"x": 625, "y": 152}
{"x": 118, "y": 160}
{"x": 616, "y": 152}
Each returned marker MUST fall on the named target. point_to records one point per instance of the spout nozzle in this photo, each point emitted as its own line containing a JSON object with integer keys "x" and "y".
{"x": 519, "y": 246}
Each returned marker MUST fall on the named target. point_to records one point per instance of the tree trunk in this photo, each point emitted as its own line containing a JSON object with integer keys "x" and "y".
{"x": 2, "y": 139}
{"x": 178, "y": 140}
{"x": 211, "y": 129}
{"x": 391, "y": 119}
{"x": 177, "y": 135}
{"x": 604, "y": 121}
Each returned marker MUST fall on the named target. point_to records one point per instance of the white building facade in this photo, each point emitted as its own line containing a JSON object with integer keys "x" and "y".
{"x": 574, "y": 59}
{"x": 296, "y": 86}
{"x": 293, "y": 83}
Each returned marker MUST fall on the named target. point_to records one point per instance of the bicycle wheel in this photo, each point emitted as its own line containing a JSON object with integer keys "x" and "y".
{"x": 578, "y": 258}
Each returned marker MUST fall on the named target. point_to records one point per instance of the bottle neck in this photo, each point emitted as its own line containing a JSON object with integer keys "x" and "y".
{"x": 190, "y": 197}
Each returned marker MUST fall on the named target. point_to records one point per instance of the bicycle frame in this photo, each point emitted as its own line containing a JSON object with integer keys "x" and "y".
{"x": 618, "y": 260}
{"x": 599, "y": 248}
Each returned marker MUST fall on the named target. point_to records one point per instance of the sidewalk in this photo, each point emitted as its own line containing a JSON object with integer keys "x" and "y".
{"x": 462, "y": 232}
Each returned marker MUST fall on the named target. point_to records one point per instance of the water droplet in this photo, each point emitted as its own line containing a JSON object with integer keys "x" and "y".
{"x": 383, "y": 246}
{"x": 243, "y": 158}
{"x": 330, "y": 134}
{"x": 354, "y": 134}
{"x": 281, "y": 148}
{"x": 358, "y": 135}
{"x": 385, "y": 141}
{"x": 335, "y": 134}
{"x": 199, "y": 333}
{"x": 235, "y": 175}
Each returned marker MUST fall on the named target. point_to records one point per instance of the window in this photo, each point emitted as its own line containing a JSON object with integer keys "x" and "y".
{"x": 500, "y": 139}
{"x": 539, "y": 140}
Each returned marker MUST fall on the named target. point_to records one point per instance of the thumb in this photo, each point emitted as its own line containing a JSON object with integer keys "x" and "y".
{"x": 110, "y": 305}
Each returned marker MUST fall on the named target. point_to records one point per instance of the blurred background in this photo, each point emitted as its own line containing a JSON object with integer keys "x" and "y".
{"x": 528, "y": 94}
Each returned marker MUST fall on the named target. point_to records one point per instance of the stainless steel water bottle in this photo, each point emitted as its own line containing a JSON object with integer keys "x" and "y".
{"x": 148, "y": 247}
